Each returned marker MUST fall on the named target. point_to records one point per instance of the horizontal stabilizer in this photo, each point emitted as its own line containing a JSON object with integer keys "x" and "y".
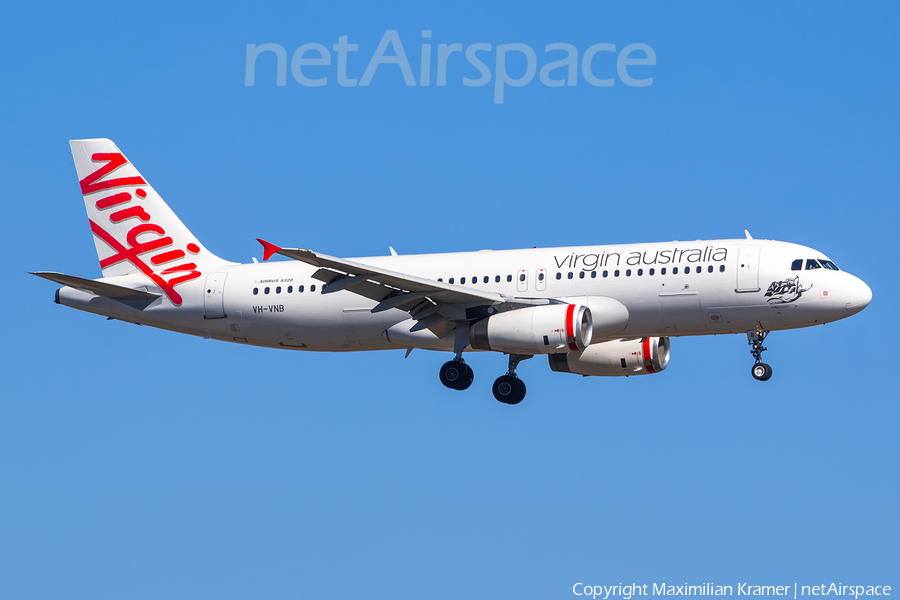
{"x": 98, "y": 288}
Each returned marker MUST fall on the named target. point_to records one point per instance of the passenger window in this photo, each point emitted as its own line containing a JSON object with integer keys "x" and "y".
{"x": 812, "y": 263}
{"x": 571, "y": 275}
{"x": 606, "y": 273}
{"x": 616, "y": 273}
{"x": 652, "y": 271}
{"x": 709, "y": 269}
{"x": 290, "y": 289}
{"x": 300, "y": 288}
{"x": 540, "y": 276}
{"x": 486, "y": 279}
{"x": 451, "y": 280}
{"x": 278, "y": 290}
{"x": 475, "y": 280}
{"x": 440, "y": 279}
{"x": 674, "y": 270}
{"x": 627, "y": 272}
{"x": 509, "y": 279}
{"x": 522, "y": 277}
{"x": 266, "y": 291}
{"x": 312, "y": 288}
{"x": 721, "y": 268}
{"x": 581, "y": 275}
{"x": 640, "y": 272}
{"x": 497, "y": 279}
{"x": 662, "y": 271}
{"x": 559, "y": 275}
{"x": 797, "y": 264}
{"x": 462, "y": 281}
{"x": 255, "y": 291}
{"x": 593, "y": 274}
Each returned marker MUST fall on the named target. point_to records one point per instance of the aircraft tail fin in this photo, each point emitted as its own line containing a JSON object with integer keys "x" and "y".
{"x": 134, "y": 230}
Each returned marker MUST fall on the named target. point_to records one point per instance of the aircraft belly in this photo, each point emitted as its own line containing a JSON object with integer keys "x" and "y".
{"x": 363, "y": 328}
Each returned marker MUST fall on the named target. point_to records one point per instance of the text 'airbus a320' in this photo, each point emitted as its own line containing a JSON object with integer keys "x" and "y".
{"x": 593, "y": 310}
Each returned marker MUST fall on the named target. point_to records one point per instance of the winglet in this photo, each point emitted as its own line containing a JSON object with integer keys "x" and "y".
{"x": 268, "y": 249}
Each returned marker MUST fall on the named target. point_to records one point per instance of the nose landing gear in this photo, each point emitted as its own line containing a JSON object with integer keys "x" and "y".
{"x": 509, "y": 389}
{"x": 760, "y": 370}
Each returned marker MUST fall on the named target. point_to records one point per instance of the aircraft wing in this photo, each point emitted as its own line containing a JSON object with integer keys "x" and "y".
{"x": 390, "y": 288}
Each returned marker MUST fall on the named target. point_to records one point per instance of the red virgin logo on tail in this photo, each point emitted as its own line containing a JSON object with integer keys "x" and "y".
{"x": 123, "y": 208}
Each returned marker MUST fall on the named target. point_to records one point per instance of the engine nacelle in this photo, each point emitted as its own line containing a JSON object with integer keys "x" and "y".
{"x": 535, "y": 330}
{"x": 616, "y": 359}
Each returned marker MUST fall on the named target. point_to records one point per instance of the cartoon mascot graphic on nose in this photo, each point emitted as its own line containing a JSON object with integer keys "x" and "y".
{"x": 786, "y": 290}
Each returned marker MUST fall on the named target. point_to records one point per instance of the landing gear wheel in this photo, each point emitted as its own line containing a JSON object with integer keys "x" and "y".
{"x": 761, "y": 371}
{"x": 457, "y": 375}
{"x": 509, "y": 389}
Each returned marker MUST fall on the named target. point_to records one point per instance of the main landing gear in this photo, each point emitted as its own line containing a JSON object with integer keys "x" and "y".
{"x": 508, "y": 389}
{"x": 760, "y": 370}
{"x": 456, "y": 374}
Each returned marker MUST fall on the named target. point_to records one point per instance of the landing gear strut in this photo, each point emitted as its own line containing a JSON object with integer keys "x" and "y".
{"x": 760, "y": 370}
{"x": 456, "y": 374}
{"x": 508, "y": 388}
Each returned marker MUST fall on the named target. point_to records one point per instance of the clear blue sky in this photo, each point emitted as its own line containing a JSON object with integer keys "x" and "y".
{"x": 143, "y": 464}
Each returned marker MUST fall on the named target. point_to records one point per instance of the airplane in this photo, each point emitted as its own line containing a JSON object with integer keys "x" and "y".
{"x": 592, "y": 310}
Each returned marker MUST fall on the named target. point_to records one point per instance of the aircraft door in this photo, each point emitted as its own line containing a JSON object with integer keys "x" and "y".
{"x": 540, "y": 280}
{"x": 748, "y": 269}
{"x": 214, "y": 296}
{"x": 522, "y": 280}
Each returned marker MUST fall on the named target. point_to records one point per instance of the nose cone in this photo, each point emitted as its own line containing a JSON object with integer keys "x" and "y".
{"x": 858, "y": 295}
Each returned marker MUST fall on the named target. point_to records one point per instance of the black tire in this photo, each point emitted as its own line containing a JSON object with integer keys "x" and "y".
{"x": 505, "y": 388}
{"x": 467, "y": 379}
{"x": 761, "y": 371}
{"x": 520, "y": 391}
{"x": 456, "y": 375}
{"x": 508, "y": 389}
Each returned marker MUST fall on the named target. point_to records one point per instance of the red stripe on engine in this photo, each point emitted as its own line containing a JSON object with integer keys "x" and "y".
{"x": 570, "y": 328}
{"x": 648, "y": 358}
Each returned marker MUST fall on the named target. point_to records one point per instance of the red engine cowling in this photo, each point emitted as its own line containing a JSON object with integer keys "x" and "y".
{"x": 620, "y": 358}
{"x": 535, "y": 330}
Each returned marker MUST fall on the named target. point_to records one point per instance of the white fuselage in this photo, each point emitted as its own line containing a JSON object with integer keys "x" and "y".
{"x": 721, "y": 286}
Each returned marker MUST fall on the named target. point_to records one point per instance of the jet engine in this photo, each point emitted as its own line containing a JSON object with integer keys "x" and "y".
{"x": 535, "y": 330}
{"x": 619, "y": 358}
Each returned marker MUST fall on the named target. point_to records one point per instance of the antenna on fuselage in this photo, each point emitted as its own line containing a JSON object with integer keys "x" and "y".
{"x": 747, "y": 233}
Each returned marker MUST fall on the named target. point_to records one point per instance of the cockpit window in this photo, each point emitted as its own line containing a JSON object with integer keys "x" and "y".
{"x": 812, "y": 263}
{"x": 829, "y": 265}
{"x": 797, "y": 265}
